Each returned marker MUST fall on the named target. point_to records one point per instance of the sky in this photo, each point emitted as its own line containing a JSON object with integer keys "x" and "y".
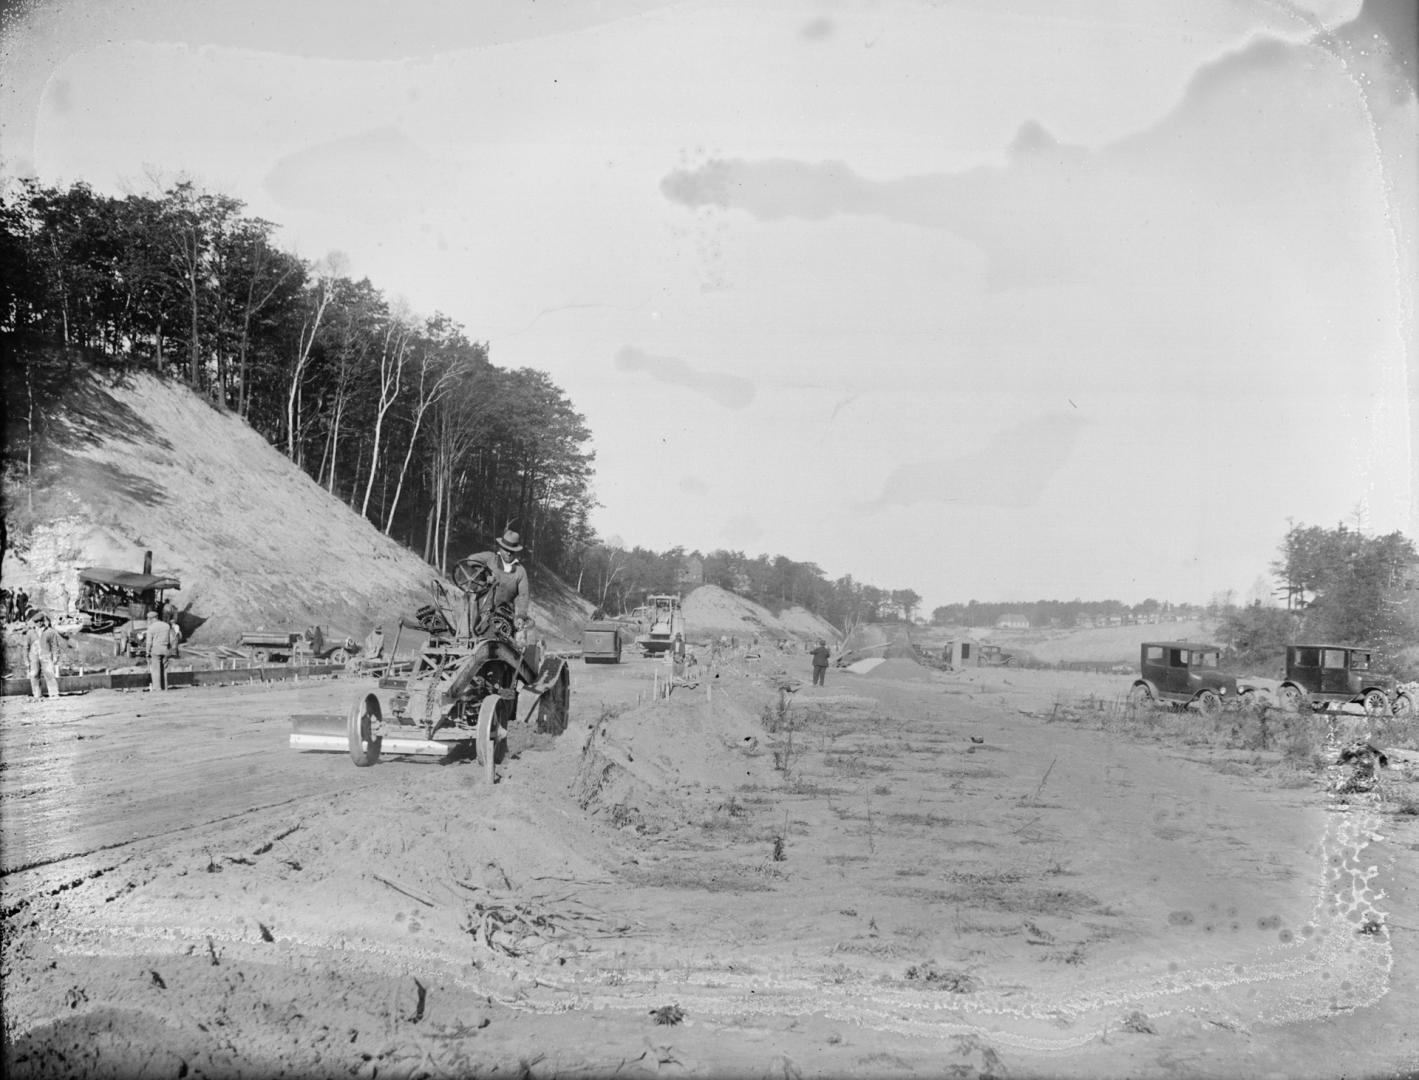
{"x": 990, "y": 299}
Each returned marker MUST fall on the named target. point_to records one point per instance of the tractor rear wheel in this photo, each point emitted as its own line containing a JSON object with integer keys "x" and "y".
{"x": 554, "y": 706}
{"x": 1140, "y": 696}
{"x": 364, "y": 743}
{"x": 1404, "y": 707}
{"x": 1292, "y": 700}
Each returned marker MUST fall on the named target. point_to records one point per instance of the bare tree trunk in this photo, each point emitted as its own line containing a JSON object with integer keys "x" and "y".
{"x": 304, "y": 345}
{"x": 391, "y": 375}
{"x": 29, "y": 440}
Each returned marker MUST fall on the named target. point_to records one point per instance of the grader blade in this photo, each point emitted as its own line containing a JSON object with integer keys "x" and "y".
{"x": 319, "y": 731}
{"x": 329, "y": 731}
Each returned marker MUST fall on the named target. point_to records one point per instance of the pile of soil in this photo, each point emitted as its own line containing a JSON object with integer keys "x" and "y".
{"x": 665, "y": 763}
{"x": 898, "y": 668}
{"x": 713, "y": 612}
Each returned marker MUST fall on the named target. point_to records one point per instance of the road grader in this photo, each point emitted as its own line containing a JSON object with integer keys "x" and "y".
{"x": 476, "y": 680}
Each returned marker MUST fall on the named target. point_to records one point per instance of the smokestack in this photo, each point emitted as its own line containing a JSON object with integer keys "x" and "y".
{"x": 147, "y": 562}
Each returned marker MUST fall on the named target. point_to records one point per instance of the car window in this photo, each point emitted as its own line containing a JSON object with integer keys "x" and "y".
{"x": 1204, "y": 659}
{"x": 1153, "y": 654}
{"x": 1307, "y": 658}
{"x": 1360, "y": 661}
{"x": 1332, "y": 658}
{"x": 1177, "y": 658}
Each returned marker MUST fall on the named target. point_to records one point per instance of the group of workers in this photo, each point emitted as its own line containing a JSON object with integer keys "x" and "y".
{"x": 15, "y": 605}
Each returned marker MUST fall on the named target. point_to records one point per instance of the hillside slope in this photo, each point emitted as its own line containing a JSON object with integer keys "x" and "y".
{"x": 711, "y": 611}
{"x": 141, "y": 464}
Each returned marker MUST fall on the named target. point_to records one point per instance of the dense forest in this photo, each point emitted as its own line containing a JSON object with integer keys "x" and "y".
{"x": 1342, "y": 586}
{"x": 404, "y": 417}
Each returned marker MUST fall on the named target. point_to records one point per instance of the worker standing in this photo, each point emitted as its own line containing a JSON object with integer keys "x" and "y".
{"x": 820, "y": 663}
{"x": 162, "y": 640}
{"x": 374, "y": 644}
{"x": 43, "y": 657}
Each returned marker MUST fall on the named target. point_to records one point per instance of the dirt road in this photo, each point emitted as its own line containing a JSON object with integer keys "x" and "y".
{"x": 902, "y": 874}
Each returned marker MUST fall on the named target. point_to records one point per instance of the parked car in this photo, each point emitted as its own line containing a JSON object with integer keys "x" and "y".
{"x": 994, "y": 656}
{"x": 1184, "y": 673}
{"x": 601, "y": 643}
{"x": 1319, "y": 676}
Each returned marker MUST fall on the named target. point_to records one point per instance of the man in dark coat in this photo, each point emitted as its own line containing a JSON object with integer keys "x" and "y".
{"x": 507, "y": 577}
{"x": 820, "y": 663}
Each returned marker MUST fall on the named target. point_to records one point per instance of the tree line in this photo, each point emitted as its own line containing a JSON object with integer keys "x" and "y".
{"x": 1061, "y": 613}
{"x": 615, "y": 580}
{"x": 406, "y": 418}
{"x": 1342, "y": 587}
{"x": 403, "y": 417}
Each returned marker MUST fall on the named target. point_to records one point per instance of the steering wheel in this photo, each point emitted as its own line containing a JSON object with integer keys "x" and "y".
{"x": 473, "y": 576}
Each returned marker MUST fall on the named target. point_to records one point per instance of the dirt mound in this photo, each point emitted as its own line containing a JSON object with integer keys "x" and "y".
{"x": 880, "y": 640}
{"x": 667, "y": 763}
{"x": 141, "y": 464}
{"x": 803, "y": 623}
{"x": 711, "y": 612}
{"x": 896, "y": 669}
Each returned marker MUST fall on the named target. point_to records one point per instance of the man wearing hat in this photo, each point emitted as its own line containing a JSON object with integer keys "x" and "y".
{"x": 509, "y": 576}
{"x": 43, "y": 656}
{"x": 820, "y": 663}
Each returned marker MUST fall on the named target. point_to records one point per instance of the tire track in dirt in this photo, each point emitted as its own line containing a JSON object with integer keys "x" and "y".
{"x": 1340, "y": 962}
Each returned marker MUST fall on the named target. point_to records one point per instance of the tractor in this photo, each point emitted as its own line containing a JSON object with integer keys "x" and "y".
{"x": 475, "y": 680}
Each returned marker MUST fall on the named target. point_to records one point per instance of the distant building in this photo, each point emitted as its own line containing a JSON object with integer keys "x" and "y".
{"x": 1012, "y": 620}
{"x": 961, "y": 652}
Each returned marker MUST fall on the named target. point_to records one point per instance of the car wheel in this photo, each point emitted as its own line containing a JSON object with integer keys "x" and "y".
{"x": 1375, "y": 703}
{"x": 1208, "y": 703}
{"x": 1140, "y": 696}
{"x": 1292, "y": 700}
{"x": 364, "y": 743}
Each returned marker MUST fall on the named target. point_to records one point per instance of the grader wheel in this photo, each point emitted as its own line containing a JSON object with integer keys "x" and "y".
{"x": 491, "y": 740}
{"x": 365, "y": 746}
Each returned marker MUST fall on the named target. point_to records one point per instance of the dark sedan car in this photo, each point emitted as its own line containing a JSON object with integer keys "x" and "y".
{"x": 1182, "y": 673}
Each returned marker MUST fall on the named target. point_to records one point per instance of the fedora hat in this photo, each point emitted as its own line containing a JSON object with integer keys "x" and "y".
{"x": 510, "y": 541}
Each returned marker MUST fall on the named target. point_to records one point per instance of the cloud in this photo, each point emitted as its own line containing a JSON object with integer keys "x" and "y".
{"x": 378, "y": 173}
{"x": 728, "y": 390}
{"x": 1012, "y": 470}
{"x": 742, "y": 530}
{"x": 1236, "y": 162}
